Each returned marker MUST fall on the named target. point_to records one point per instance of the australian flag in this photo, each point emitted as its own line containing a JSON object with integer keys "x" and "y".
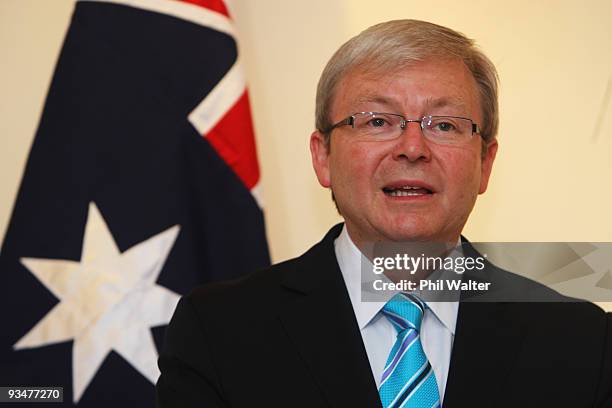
{"x": 142, "y": 183}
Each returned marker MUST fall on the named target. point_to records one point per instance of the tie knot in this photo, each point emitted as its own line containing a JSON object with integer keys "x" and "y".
{"x": 404, "y": 311}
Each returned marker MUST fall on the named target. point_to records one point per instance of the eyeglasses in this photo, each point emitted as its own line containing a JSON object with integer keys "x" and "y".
{"x": 388, "y": 126}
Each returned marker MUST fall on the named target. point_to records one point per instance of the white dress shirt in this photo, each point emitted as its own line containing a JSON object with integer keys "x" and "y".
{"x": 437, "y": 328}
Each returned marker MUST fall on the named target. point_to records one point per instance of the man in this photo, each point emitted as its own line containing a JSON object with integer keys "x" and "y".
{"x": 406, "y": 123}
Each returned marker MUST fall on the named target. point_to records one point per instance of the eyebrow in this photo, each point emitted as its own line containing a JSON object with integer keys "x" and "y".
{"x": 381, "y": 100}
{"x": 430, "y": 103}
{"x": 433, "y": 103}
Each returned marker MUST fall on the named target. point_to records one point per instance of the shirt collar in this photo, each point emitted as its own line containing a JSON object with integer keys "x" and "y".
{"x": 349, "y": 259}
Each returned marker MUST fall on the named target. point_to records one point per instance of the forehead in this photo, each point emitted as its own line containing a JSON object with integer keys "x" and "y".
{"x": 430, "y": 84}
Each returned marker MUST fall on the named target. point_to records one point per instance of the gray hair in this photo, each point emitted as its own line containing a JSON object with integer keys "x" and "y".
{"x": 398, "y": 43}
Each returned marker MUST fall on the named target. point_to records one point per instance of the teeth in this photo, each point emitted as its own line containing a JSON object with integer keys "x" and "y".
{"x": 404, "y": 193}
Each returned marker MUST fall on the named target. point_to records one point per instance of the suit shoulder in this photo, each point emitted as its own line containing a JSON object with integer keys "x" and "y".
{"x": 546, "y": 307}
{"x": 261, "y": 284}
{"x": 264, "y": 284}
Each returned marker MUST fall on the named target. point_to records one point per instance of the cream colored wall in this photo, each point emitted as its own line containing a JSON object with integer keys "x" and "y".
{"x": 31, "y": 33}
{"x": 553, "y": 176}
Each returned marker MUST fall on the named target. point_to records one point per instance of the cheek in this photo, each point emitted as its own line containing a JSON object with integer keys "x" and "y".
{"x": 354, "y": 164}
{"x": 462, "y": 173}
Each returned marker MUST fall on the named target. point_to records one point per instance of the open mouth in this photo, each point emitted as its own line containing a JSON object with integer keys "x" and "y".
{"x": 406, "y": 191}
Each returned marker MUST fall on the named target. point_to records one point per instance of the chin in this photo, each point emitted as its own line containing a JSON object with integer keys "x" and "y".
{"x": 409, "y": 228}
{"x": 410, "y": 233}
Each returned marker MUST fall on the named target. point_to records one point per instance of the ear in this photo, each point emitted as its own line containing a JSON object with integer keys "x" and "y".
{"x": 319, "y": 151}
{"x": 487, "y": 165}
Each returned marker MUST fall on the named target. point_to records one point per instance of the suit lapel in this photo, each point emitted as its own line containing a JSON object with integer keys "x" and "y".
{"x": 319, "y": 319}
{"x": 488, "y": 339}
{"x": 485, "y": 347}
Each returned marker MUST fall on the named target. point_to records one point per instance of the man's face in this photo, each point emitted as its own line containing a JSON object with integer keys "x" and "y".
{"x": 362, "y": 173}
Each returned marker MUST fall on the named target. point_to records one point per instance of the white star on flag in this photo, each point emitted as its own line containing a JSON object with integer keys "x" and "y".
{"x": 108, "y": 301}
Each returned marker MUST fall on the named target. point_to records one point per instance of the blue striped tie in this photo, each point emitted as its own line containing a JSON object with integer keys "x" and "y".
{"x": 408, "y": 379}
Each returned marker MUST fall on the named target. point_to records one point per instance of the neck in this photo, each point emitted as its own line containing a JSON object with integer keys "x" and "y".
{"x": 405, "y": 260}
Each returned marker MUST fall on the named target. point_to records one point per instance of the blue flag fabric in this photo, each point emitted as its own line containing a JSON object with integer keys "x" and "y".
{"x": 124, "y": 205}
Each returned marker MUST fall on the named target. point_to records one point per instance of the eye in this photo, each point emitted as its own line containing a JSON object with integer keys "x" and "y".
{"x": 442, "y": 125}
{"x": 377, "y": 122}
{"x": 380, "y": 125}
{"x": 445, "y": 127}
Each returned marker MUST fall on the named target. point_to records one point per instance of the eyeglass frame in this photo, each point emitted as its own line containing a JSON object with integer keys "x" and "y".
{"x": 350, "y": 121}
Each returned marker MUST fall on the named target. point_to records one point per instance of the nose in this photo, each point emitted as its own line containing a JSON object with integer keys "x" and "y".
{"x": 411, "y": 145}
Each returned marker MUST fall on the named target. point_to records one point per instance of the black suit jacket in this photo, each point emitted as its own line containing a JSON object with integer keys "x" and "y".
{"x": 287, "y": 337}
